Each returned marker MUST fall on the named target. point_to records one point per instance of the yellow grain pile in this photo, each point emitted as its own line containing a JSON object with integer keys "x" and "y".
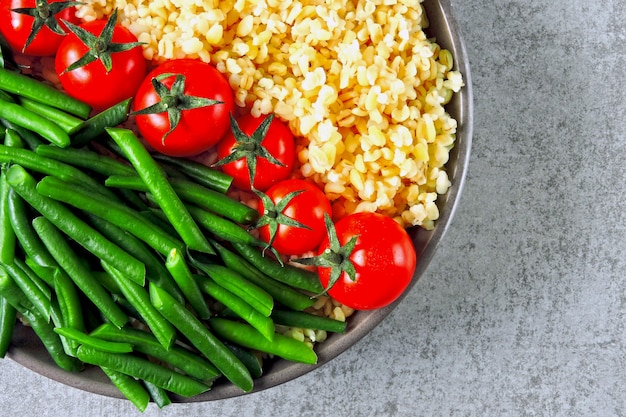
{"x": 358, "y": 81}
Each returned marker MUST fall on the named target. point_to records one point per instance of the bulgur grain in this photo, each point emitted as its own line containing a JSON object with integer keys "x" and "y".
{"x": 358, "y": 81}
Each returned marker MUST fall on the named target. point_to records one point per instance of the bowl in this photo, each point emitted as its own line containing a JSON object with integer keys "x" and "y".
{"x": 29, "y": 352}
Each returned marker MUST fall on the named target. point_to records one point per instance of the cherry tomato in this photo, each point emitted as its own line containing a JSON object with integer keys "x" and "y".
{"x": 199, "y": 127}
{"x": 307, "y": 208}
{"x": 384, "y": 259}
{"x": 17, "y": 27}
{"x": 278, "y": 141}
{"x": 92, "y": 83}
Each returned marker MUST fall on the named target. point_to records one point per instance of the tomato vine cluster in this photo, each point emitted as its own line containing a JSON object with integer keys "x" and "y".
{"x": 185, "y": 107}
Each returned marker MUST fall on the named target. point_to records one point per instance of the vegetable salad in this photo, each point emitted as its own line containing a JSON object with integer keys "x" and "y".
{"x": 122, "y": 250}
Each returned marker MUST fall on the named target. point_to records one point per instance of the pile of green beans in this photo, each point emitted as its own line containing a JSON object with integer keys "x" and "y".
{"x": 138, "y": 264}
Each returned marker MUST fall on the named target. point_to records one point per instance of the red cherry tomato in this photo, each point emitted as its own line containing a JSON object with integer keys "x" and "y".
{"x": 199, "y": 128}
{"x": 17, "y": 27}
{"x": 279, "y": 142}
{"x": 92, "y": 83}
{"x": 384, "y": 259}
{"x": 307, "y": 208}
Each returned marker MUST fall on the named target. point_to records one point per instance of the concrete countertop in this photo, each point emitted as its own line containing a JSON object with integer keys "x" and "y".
{"x": 522, "y": 312}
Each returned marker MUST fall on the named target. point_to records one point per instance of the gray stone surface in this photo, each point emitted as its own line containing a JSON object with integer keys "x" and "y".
{"x": 522, "y": 311}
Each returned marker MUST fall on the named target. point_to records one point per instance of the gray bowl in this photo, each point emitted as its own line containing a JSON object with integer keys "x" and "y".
{"x": 28, "y": 351}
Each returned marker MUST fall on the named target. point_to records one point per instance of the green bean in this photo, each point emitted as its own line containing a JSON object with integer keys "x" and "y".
{"x": 95, "y": 126}
{"x": 37, "y": 256}
{"x": 144, "y": 342}
{"x": 251, "y": 293}
{"x": 200, "y": 173}
{"x": 26, "y": 86}
{"x": 110, "y": 285}
{"x": 179, "y": 269}
{"x": 139, "y": 298}
{"x": 7, "y": 234}
{"x": 44, "y": 272}
{"x": 133, "y": 200}
{"x": 126, "y": 182}
{"x": 69, "y": 298}
{"x": 30, "y": 160}
{"x": 94, "y": 342}
{"x": 32, "y": 121}
{"x": 6, "y": 97}
{"x": 157, "y": 217}
{"x": 223, "y": 228}
{"x": 109, "y": 145}
{"x": 92, "y": 316}
{"x": 122, "y": 302}
{"x": 36, "y": 297}
{"x": 77, "y": 271}
{"x": 155, "y": 268}
{"x": 36, "y": 276}
{"x": 57, "y": 317}
{"x": 52, "y": 342}
{"x": 281, "y": 293}
{"x": 13, "y": 293}
{"x": 13, "y": 139}
{"x": 40, "y": 325}
{"x": 55, "y": 309}
{"x": 200, "y": 337}
{"x": 245, "y": 335}
{"x": 65, "y": 121}
{"x": 248, "y": 358}
{"x": 195, "y": 193}
{"x": 157, "y": 183}
{"x": 117, "y": 213}
{"x": 170, "y": 171}
{"x": 32, "y": 140}
{"x": 241, "y": 308}
{"x": 66, "y": 295}
{"x": 85, "y": 158}
{"x": 132, "y": 389}
{"x": 290, "y": 275}
{"x": 69, "y": 346}
{"x": 158, "y": 394}
{"x": 8, "y": 240}
{"x": 26, "y": 236}
{"x": 8, "y": 315}
{"x": 69, "y": 304}
{"x": 308, "y": 321}
{"x": 24, "y": 184}
{"x": 143, "y": 369}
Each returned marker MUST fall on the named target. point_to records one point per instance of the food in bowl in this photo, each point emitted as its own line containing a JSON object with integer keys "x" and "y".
{"x": 366, "y": 109}
{"x": 359, "y": 82}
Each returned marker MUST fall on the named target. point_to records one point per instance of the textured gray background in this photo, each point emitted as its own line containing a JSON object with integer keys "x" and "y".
{"x": 522, "y": 311}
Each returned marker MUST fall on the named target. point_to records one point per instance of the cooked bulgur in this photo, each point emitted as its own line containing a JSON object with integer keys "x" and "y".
{"x": 358, "y": 81}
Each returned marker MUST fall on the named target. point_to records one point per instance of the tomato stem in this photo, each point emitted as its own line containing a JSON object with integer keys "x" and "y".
{"x": 101, "y": 47}
{"x": 170, "y": 101}
{"x": 44, "y": 14}
{"x": 174, "y": 101}
{"x": 335, "y": 257}
{"x": 273, "y": 215}
{"x": 250, "y": 147}
{"x": 43, "y": 9}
